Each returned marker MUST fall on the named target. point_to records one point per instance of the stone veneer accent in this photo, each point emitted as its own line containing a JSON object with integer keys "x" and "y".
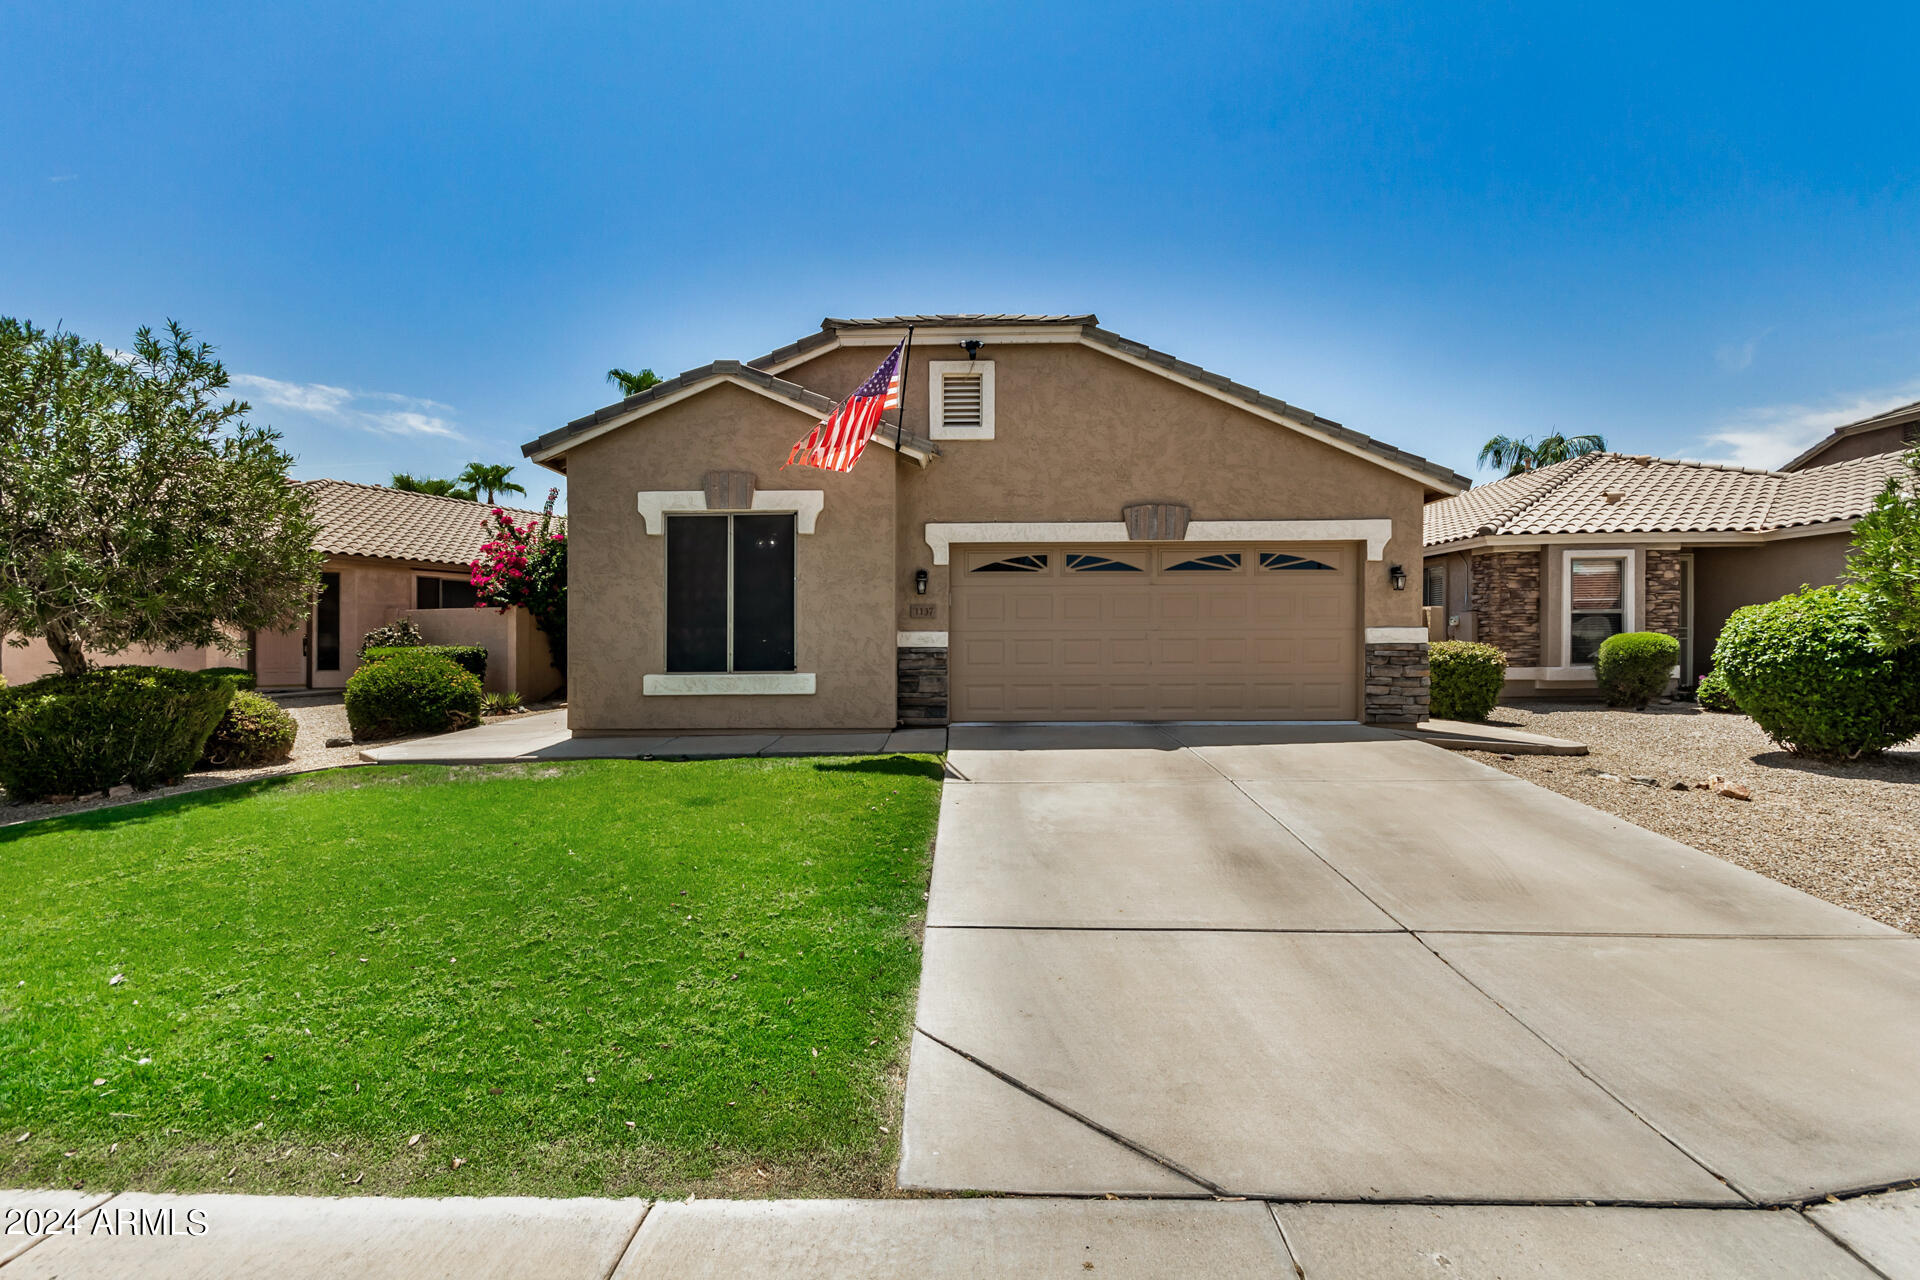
{"x": 1396, "y": 689}
{"x": 1506, "y": 604}
{"x": 922, "y": 687}
{"x": 1663, "y": 594}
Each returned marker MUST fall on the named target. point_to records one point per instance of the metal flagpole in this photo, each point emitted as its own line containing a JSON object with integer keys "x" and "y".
{"x": 900, "y": 418}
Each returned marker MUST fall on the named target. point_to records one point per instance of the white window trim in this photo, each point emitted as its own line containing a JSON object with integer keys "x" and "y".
{"x": 1629, "y": 595}
{"x": 805, "y": 504}
{"x": 1375, "y": 533}
{"x": 936, "y": 421}
{"x": 692, "y": 684}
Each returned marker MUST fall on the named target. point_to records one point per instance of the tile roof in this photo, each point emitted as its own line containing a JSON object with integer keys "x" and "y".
{"x": 1090, "y": 330}
{"x": 1626, "y": 494}
{"x": 802, "y": 397}
{"x": 372, "y": 520}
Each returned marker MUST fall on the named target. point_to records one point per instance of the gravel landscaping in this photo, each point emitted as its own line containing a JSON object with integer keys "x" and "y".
{"x": 1848, "y": 833}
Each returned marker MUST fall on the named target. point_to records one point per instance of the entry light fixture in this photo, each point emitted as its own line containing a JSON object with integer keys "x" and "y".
{"x": 1398, "y": 575}
{"x": 919, "y": 582}
{"x": 972, "y": 346}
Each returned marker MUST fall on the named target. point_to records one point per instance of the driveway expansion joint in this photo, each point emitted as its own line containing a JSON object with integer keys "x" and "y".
{"x": 1111, "y": 1135}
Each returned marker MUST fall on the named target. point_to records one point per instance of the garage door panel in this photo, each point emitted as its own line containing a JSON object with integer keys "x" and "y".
{"x": 1253, "y": 633}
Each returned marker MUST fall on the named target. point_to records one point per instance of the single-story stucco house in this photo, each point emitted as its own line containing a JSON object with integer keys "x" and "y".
{"x": 1548, "y": 564}
{"x": 1072, "y": 526}
{"x": 388, "y": 553}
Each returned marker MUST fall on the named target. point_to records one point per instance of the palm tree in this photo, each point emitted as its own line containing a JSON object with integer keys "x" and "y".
{"x": 428, "y": 484}
{"x": 1525, "y": 454}
{"x": 633, "y": 383}
{"x": 490, "y": 480}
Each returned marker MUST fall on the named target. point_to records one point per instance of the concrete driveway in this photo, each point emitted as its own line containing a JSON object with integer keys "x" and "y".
{"x": 1328, "y": 963}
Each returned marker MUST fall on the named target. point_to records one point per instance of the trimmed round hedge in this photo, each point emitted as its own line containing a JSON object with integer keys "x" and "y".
{"x": 1632, "y": 668}
{"x": 1464, "y": 679}
{"x": 411, "y": 691}
{"x": 471, "y": 656}
{"x": 1809, "y": 672}
{"x": 75, "y": 735}
{"x": 241, "y": 677}
{"x": 1713, "y": 694}
{"x": 255, "y": 730}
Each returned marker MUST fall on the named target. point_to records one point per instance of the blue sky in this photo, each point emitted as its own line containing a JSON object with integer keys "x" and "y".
{"x": 420, "y": 234}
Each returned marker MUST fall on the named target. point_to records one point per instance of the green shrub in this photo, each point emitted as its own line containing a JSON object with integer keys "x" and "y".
{"x": 256, "y": 730}
{"x": 1633, "y": 667}
{"x": 471, "y": 656}
{"x": 401, "y": 633}
{"x": 1465, "y": 679}
{"x": 241, "y": 677}
{"x": 1809, "y": 671}
{"x": 1713, "y": 693}
{"x": 73, "y": 735}
{"x": 411, "y": 692}
{"x": 498, "y": 704}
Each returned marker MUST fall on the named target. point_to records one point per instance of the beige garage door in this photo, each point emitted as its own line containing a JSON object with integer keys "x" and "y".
{"x": 1159, "y": 632}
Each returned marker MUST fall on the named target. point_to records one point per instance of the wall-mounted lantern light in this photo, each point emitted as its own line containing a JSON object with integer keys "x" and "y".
{"x": 919, "y": 582}
{"x": 1398, "y": 576}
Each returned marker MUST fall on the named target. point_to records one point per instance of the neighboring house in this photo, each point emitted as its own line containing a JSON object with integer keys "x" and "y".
{"x": 1548, "y": 564}
{"x": 388, "y": 553}
{"x": 1072, "y": 527}
{"x": 1889, "y": 432}
{"x": 391, "y": 553}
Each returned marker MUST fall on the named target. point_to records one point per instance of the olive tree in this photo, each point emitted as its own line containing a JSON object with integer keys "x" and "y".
{"x": 138, "y": 506}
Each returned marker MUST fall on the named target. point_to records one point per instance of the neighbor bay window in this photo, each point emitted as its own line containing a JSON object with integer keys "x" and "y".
{"x": 1596, "y": 604}
{"x": 730, "y": 592}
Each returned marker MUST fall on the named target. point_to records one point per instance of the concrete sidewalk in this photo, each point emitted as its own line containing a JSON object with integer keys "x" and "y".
{"x": 544, "y": 736}
{"x": 211, "y": 1237}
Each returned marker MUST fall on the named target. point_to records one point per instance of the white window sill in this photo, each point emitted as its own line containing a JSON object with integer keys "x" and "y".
{"x": 721, "y": 683}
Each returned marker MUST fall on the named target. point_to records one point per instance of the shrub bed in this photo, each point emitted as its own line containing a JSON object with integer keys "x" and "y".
{"x": 412, "y": 691}
{"x": 401, "y": 633}
{"x": 471, "y": 656}
{"x": 1713, "y": 694}
{"x": 241, "y": 677}
{"x": 1465, "y": 679}
{"x": 1632, "y": 668}
{"x": 75, "y": 735}
{"x": 1808, "y": 670}
{"x": 255, "y": 730}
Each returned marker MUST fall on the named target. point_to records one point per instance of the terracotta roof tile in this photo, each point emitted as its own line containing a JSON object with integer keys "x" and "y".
{"x": 371, "y": 520}
{"x": 1619, "y": 493}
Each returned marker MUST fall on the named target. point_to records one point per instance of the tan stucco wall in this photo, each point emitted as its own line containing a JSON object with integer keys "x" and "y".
{"x": 617, "y": 571}
{"x": 372, "y": 593}
{"x": 1725, "y": 578}
{"x": 1080, "y": 434}
{"x": 518, "y": 657}
{"x": 19, "y": 665}
{"x": 1888, "y": 439}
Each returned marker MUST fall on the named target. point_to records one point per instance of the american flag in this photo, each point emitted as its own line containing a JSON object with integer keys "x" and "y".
{"x": 837, "y": 443}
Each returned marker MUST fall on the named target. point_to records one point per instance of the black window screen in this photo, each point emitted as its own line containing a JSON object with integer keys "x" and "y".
{"x": 763, "y": 593}
{"x": 730, "y": 593}
{"x": 444, "y": 593}
{"x": 326, "y": 625}
{"x": 697, "y": 593}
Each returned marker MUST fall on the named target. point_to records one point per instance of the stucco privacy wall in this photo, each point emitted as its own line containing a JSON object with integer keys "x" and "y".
{"x": 518, "y": 657}
{"x": 1080, "y": 434}
{"x": 616, "y": 611}
{"x": 18, "y": 665}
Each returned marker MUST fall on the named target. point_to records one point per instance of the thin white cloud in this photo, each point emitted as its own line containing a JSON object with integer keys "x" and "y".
{"x": 1734, "y": 357}
{"x": 1772, "y": 435}
{"x": 362, "y": 410}
{"x": 59, "y": 178}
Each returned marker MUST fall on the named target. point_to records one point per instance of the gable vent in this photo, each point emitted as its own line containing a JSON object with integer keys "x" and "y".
{"x": 962, "y": 401}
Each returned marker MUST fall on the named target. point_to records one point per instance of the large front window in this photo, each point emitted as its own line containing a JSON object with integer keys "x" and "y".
{"x": 1596, "y": 605}
{"x": 730, "y": 593}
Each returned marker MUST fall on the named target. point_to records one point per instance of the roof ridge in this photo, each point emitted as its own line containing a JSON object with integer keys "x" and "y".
{"x": 414, "y": 493}
{"x": 1573, "y": 467}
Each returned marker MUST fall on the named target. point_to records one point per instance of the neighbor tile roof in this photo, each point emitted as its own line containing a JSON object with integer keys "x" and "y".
{"x": 1906, "y": 413}
{"x": 1089, "y": 326}
{"x": 371, "y": 520}
{"x": 1625, "y": 494}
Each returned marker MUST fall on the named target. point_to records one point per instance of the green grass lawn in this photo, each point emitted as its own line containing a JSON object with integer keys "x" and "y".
{"x": 603, "y": 977}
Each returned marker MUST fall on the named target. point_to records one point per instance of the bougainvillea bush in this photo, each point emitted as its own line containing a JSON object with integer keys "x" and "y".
{"x": 526, "y": 565}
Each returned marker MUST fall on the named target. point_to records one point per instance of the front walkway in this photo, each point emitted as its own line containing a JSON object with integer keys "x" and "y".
{"x": 1331, "y": 963}
{"x": 544, "y": 735}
